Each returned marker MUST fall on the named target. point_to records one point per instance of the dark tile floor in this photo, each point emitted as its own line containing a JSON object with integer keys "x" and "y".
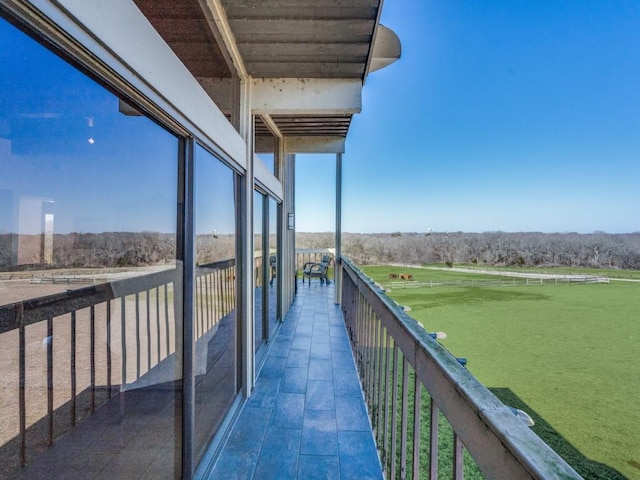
{"x": 306, "y": 418}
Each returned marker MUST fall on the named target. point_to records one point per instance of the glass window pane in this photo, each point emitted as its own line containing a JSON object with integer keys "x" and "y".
{"x": 88, "y": 219}
{"x": 273, "y": 261}
{"x": 216, "y": 364}
{"x": 269, "y": 161}
{"x": 259, "y": 268}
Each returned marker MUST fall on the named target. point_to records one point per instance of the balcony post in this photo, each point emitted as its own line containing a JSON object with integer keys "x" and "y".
{"x": 337, "y": 265}
{"x": 247, "y": 308}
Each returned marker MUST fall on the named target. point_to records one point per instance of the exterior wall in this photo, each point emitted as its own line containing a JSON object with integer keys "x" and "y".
{"x": 114, "y": 43}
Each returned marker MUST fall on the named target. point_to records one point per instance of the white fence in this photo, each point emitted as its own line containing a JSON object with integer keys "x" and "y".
{"x": 512, "y": 282}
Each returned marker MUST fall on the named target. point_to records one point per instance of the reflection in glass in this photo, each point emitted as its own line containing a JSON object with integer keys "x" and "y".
{"x": 259, "y": 268}
{"x": 274, "y": 284}
{"x": 269, "y": 161}
{"x": 87, "y": 224}
{"x": 215, "y": 326}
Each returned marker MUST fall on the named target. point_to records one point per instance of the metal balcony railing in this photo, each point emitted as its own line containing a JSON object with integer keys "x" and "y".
{"x": 97, "y": 340}
{"x": 412, "y": 384}
{"x": 85, "y": 345}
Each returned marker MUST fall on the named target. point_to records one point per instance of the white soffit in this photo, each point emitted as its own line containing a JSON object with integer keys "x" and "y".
{"x": 314, "y": 144}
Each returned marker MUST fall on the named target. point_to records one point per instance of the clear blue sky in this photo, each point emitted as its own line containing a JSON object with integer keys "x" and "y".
{"x": 500, "y": 115}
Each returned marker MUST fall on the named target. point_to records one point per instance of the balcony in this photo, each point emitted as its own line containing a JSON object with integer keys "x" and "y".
{"x": 306, "y": 417}
{"x": 177, "y": 370}
{"x": 343, "y": 391}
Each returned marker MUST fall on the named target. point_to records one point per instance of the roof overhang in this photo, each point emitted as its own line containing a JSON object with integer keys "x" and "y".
{"x": 307, "y": 60}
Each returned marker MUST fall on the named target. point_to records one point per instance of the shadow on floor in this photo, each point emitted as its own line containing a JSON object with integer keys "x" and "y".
{"x": 589, "y": 469}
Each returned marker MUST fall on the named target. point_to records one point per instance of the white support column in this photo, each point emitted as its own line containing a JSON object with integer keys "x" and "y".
{"x": 289, "y": 247}
{"x": 283, "y": 238}
{"x": 337, "y": 269}
{"x": 247, "y": 314}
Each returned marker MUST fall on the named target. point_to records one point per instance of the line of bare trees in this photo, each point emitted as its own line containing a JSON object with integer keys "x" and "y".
{"x": 599, "y": 249}
{"x": 123, "y": 249}
{"x": 108, "y": 249}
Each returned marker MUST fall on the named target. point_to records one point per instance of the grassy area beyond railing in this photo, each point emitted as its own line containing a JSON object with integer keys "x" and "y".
{"x": 431, "y": 417}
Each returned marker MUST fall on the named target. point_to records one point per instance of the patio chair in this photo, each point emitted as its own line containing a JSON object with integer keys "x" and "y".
{"x": 317, "y": 270}
{"x": 273, "y": 263}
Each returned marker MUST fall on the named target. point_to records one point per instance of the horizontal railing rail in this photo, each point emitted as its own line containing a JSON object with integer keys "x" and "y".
{"x": 465, "y": 427}
{"x": 37, "y": 309}
{"x": 94, "y": 332}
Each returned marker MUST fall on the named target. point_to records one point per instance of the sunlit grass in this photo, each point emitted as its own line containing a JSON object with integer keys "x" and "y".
{"x": 567, "y": 353}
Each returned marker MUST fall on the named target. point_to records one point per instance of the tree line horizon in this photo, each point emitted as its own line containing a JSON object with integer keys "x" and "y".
{"x": 531, "y": 249}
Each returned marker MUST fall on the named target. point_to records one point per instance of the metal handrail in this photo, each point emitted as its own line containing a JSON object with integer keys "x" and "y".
{"x": 141, "y": 305}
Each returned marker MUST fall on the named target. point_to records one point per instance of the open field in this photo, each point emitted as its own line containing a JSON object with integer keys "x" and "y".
{"x": 566, "y": 353}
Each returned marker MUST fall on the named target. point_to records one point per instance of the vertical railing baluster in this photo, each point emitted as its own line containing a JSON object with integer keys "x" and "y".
{"x": 376, "y": 374}
{"x": 417, "y": 394}
{"x": 227, "y": 294}
{"x": 215, "y": 285}
{"x": 217, "y": 294}
{"x": 219, "y": 290}
{"x": 433, "y": 441}
{"x": 73, "y": 368}
{"x": 362, "y": 321}
{"x": 458, "y": 458}
{"x": 381, "y": 377}
{"x": 198, "y": 329}
{"x": 362, "y": 339}
{"x": 387, "y": 373}
{"x": 366, "y": 316}
{"x": 137, "y": 300}
{"x": 166, "y": 318}
{"x": 364, "y": 325}
{"x": 158, "y": 322}
{"x": 394, "y": 416}
{"x": 357, "y": 322}
{"x": 209, "y": 298}
{"x": 92, "y": 361}
{"x": 232, "y": 290}
{"x": 374, "y": 362}
{"x": 148, "y": 305}
{"x": 214, "y": 297}
{"x": 404, "y": 420}
{"x": 203, "y": 305}
{"x": 371, "y": 344}
{"x": 50, "y": 380}
{"x": 109, "y": 347}
{"x": 223, "y": 291}
{"x": 355, "y": 325}
{"x": 205, "y": 300}
{"x": 22, "y": 369}
{"x": 123, "y": 339}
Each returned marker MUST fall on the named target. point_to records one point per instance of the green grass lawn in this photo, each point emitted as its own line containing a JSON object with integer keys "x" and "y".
{"x": 567, "y": 354}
